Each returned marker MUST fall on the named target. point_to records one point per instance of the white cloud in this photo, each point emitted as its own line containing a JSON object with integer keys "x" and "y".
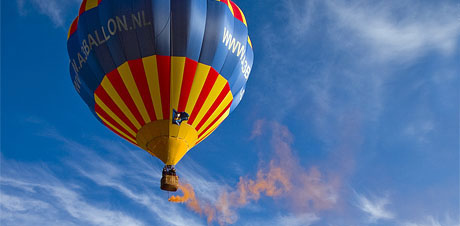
{"x": 340, "y": 59}
{"x": 302, "y": 219}
{"x": 84, "y": 211}
{"x": 33, "y": 193}
{"x": 40, "y": 199}
{"x": 55, "y": 10}
{"x": 431, "y": 221}
{"x": 371, "y": 32}
{"x": 300, "y": 16}
{"x": 398, "y": 31}
{"x": 132, "y": 173}
{"x": 16, "y": 204}
{"x": 297, "y": 220}
{"x": 207, "y": 187}
{"x": 420, "y": 130}
{"x": 375, "y": 208}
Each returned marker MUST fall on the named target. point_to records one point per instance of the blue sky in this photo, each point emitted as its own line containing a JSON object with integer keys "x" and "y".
{"x": 357, "y": 102}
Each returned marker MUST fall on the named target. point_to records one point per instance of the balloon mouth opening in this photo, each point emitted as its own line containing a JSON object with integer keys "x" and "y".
{"x": 167, "y": 141}
{"x": 169, "y": 179}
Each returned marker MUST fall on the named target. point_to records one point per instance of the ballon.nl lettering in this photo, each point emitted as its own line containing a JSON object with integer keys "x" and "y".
{"x": 102, "y": 35}
{"x": 234, "y": 45}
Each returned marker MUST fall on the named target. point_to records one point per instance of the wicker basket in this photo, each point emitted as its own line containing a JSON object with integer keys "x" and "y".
{"x": 169, "y": 183}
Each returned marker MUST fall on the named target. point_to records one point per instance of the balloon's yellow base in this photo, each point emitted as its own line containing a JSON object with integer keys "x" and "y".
{"x": 166, "y": 141}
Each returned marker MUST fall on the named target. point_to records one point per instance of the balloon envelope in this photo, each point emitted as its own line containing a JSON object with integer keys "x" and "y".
{"x": 162, "y": 74}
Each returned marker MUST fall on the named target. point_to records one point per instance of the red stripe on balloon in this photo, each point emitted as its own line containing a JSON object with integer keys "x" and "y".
{"x": 214, "y": 106}
{"x": 207, "y": 87}
{"x": 115, "y": 78}
{"x": 187, "y": 81}
{"x": 164, "y": 71}
{"x": 73, "y": 27}
{"x": 235, "y": 8}
{"x": 236, "y": 12}
{"x": 82, "y": 7}
{"x": 138, "y": 72}
{"x": 102, "y": 94}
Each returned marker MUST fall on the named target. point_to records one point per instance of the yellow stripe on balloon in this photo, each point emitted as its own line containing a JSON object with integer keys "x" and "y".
{"x": 177, "y": 74}
{"x": 218, "y": 110}
{"x": 107, "y": 85}
{"x": 151, "y": 71}
{"x": 113, "y": 115}
{"x": 230, "y": 7}
{"x": 201, "y": 74}
{"x": 91, "y": 4}
{"x": 116, "y": 129}
{"x": 215, "y": 91}
{"x": 128, "y": 80}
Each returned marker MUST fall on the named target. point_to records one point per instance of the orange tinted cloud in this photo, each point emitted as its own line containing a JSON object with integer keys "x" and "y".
{"x": 192, "y": 202}
{"x": 282, "y": 178}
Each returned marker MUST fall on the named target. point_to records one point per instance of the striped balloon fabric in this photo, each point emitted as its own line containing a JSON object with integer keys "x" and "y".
{"x": 162, "y": 74}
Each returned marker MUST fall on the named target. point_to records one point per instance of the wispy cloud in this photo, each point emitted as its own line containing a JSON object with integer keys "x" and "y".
{"x": 305, "y": 219}
{"x": 385, "y": 31}
{"x": 296, "y": 220}
{"x": 56, "y": 11}
{"x": 33, "y": 195}
{"x": 403, "y": 31}
{"x": 301, "y": 15}
{"x": 374, "y": 207}
{"x": 37, "y": 193}
{"x": 352, "y": 48}
{"x": 420, "y": 130}
{"x": 431, "y": 221}
{"x": 134, "y": 177}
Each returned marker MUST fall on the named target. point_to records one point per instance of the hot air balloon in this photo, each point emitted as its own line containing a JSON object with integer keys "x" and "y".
{"x": 162, "y": 74}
